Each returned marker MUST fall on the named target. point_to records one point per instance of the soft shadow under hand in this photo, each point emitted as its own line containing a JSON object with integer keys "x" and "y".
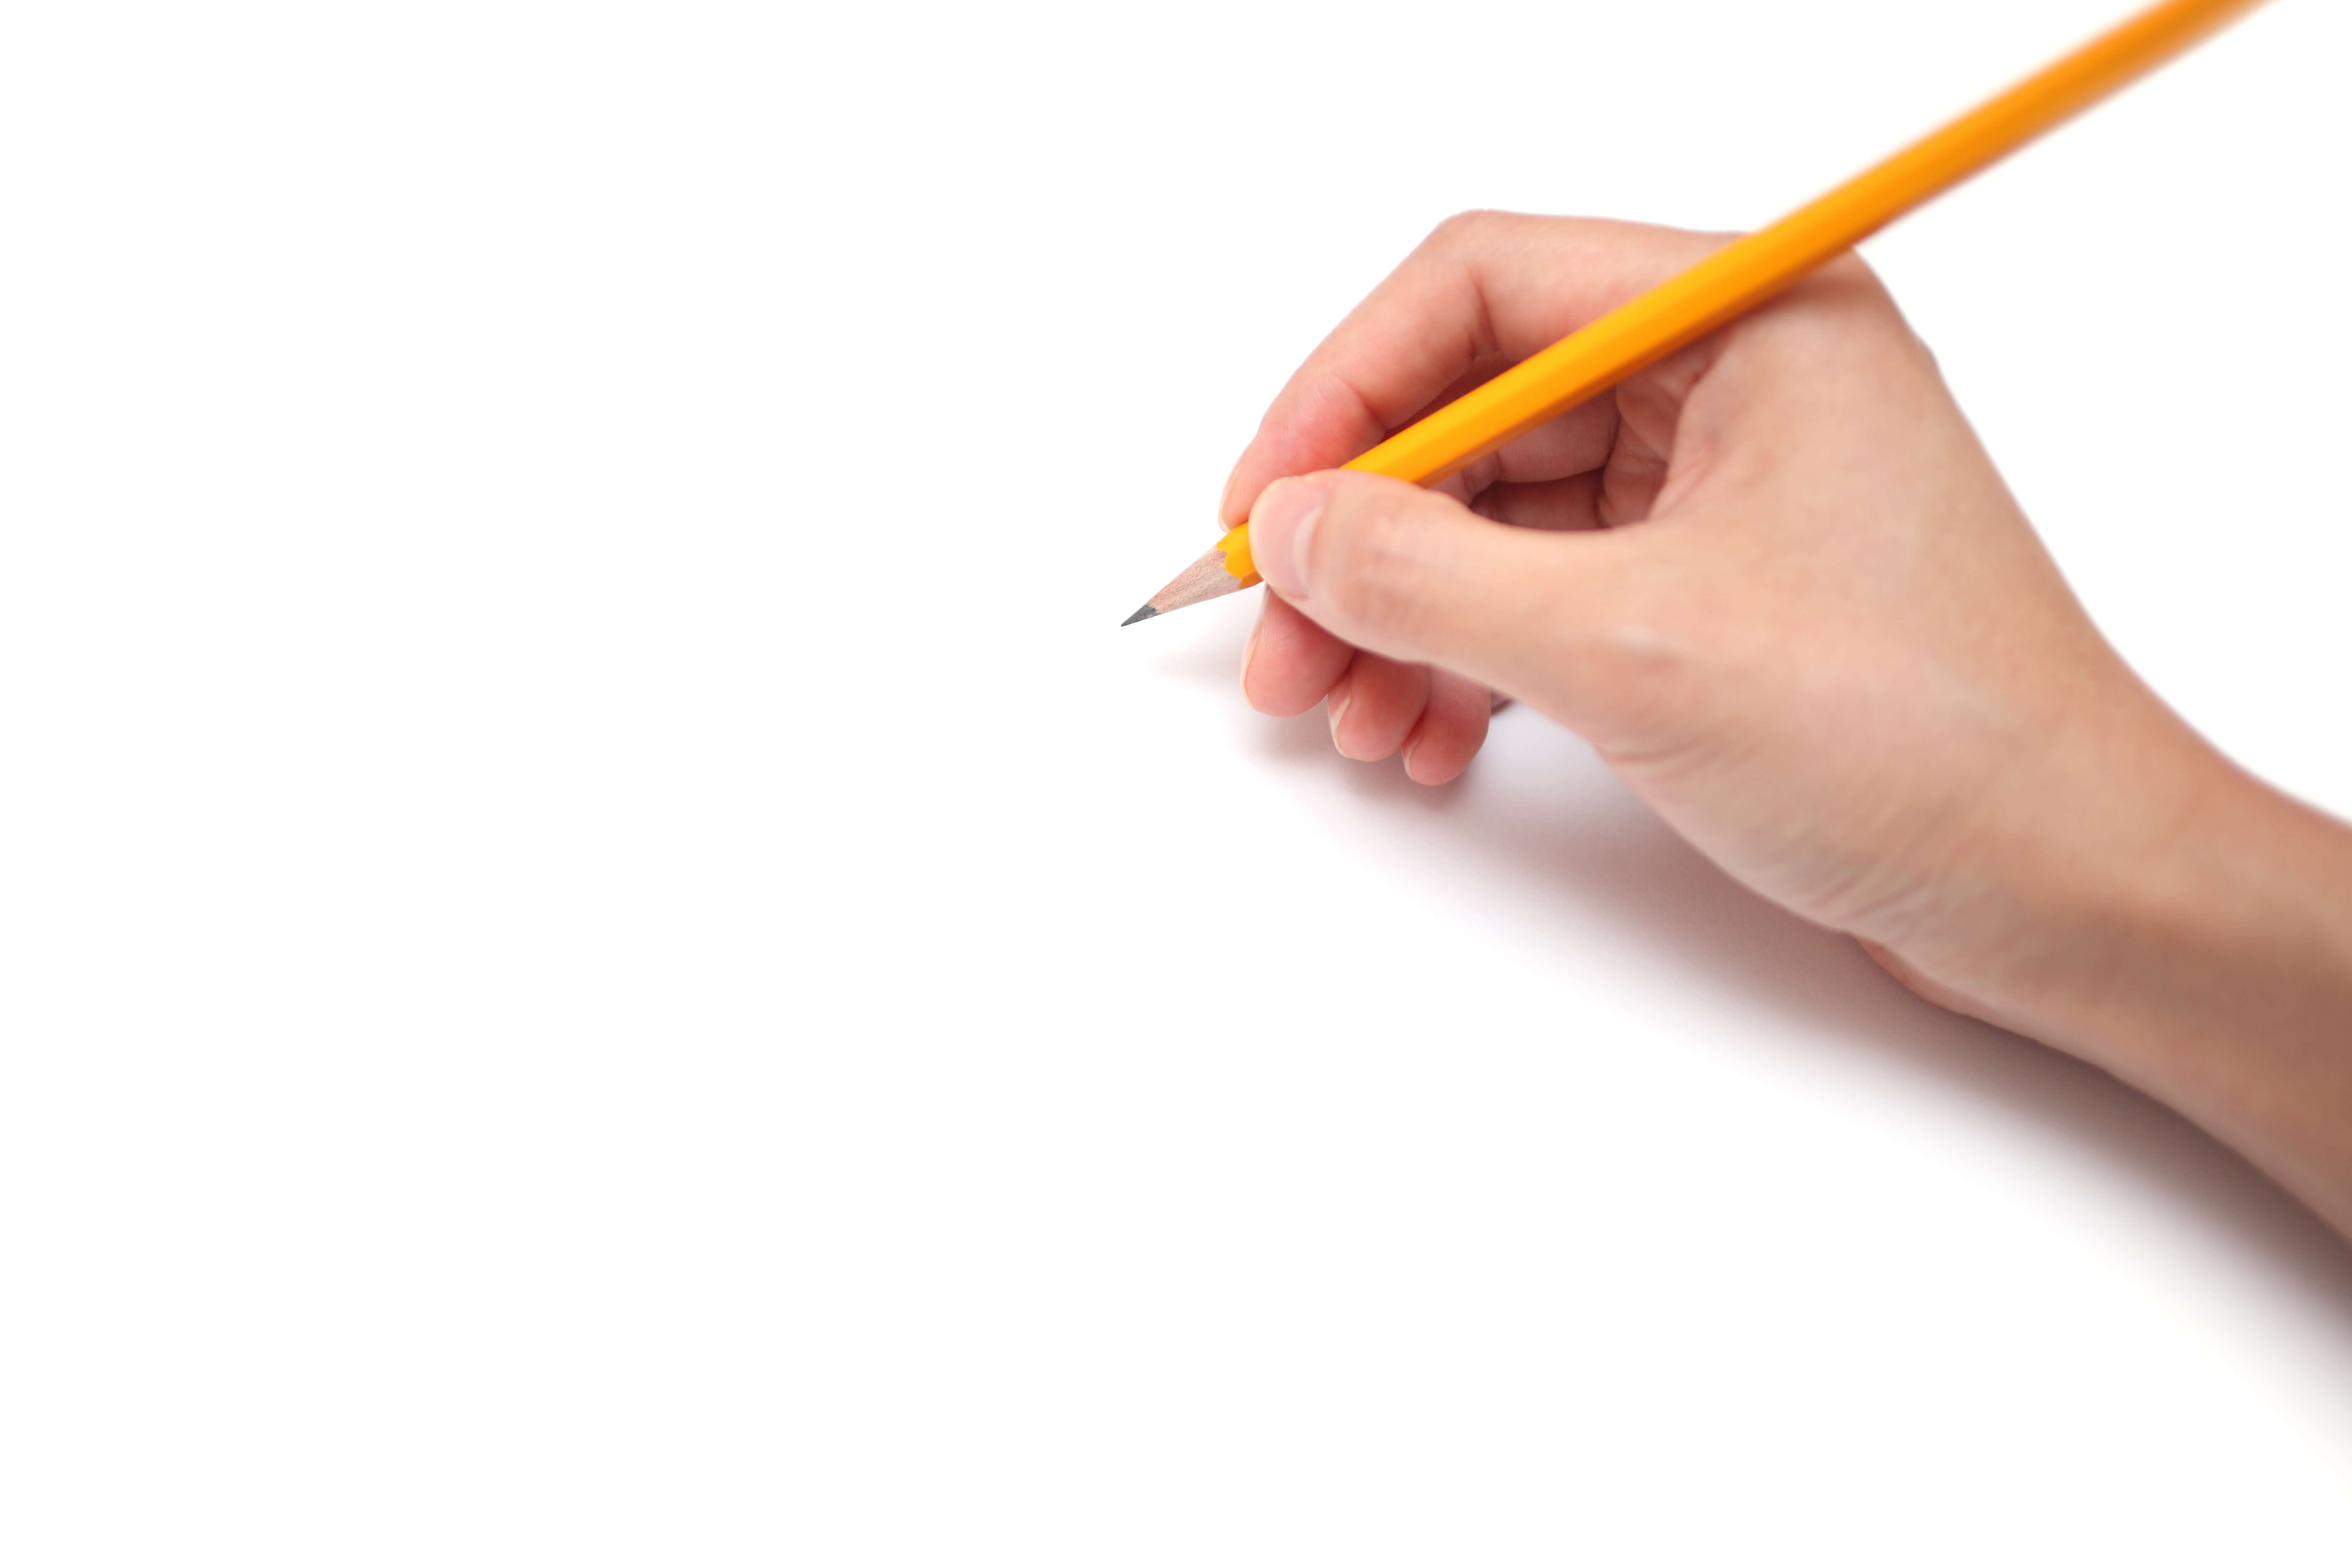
{"x": 1546, "y": 818}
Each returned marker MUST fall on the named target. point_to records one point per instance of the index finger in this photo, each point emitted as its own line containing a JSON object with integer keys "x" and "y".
{"x": 1483, "y": 291}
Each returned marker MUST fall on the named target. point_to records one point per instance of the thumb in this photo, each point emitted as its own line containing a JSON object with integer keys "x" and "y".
{"x": 1416, "y": 576}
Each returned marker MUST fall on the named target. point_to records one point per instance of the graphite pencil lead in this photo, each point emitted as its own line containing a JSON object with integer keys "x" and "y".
{"x": 1144, "y": 614}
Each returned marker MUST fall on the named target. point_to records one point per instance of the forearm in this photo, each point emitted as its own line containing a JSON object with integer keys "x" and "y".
{"x": 2214, "y": 970}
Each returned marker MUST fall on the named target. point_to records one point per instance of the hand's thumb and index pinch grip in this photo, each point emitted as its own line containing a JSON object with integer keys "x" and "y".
{"x": 1408, "y": 573}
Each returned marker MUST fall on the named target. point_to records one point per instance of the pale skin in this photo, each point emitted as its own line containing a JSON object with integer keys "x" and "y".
{"x": 1781, "y": 588}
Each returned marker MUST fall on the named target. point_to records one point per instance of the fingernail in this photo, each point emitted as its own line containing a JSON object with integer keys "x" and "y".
{"x": 1336, "y": 707}
{"x": 1249, "y": 654}
{"x": 1282, "y": 525}
{"x": 1225, "y": 518}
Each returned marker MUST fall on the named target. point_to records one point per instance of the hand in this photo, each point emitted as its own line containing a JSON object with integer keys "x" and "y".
{"x": 1774, "y": 579}
{"x": 1777, "y": 584}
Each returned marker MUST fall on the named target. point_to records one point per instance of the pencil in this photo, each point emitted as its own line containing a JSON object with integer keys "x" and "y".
{"x": 1742, "y": 275}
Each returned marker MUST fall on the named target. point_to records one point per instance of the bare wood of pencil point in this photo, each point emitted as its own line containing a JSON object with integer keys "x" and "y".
{"x": 1225, "y": 569}
{"x": 1742, "y": 275}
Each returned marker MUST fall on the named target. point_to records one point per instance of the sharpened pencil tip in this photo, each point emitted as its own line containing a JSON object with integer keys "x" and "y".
{"x": 1208, "y": 578}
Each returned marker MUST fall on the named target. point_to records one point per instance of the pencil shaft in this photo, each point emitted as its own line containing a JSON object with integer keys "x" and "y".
{"x": 1754, "y": 268}
{"x": 1748, "y": 271}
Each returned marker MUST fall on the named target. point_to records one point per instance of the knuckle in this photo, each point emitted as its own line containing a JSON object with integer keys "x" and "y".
{"x": 1851, "y": 269}
{"x": 1633, "y": 656}
{"x": 1852, "y": 282}
{"x": 1639, "y": 664}
{"x": 1464, "y": 232}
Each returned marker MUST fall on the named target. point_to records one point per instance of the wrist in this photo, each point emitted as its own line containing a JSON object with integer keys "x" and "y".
{"x": 2188, "y": 928}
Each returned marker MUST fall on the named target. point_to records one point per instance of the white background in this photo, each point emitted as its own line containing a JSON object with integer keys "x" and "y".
{"x": 607, "y": 955}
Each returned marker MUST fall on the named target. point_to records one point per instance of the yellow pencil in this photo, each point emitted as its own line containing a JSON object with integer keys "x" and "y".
{"x": 1742, "y": 275}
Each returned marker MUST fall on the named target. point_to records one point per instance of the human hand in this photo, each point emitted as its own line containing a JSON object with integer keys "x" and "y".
{"x": 1777, "y": 584}
{"x": 1774, "y": 579}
